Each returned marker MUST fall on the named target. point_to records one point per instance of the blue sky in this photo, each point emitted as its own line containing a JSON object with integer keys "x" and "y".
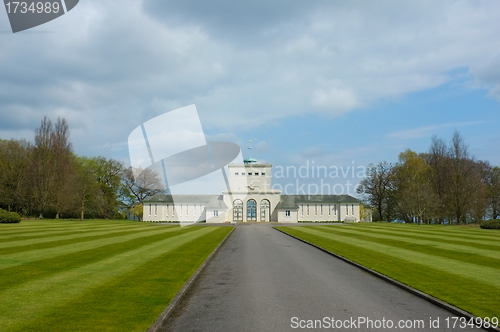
{"x": 339, "y": 83}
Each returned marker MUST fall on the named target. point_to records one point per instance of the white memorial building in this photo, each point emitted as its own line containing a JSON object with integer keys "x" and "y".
{"x": 250, "y": 198}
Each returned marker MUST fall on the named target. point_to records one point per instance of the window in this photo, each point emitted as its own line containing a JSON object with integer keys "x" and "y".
{"x": 287, "y": 213}
{"x": 156, "y": 209}
{"x": 256, "y": 174}
{"x": 321, "y": 209}
{"x": 307, "y": 209}
{"x": 242, "y": 173}
{"x": 167, "y": 210}
{"x": 264, "y": 210}
{"x": 263, "y": 174}
{"x": 302, "y": 210}
{"x": 149, "y": 209}
{"x": 329, "y": 210}
{"x": 315, "y": 209}
{"x": 236, "y": 173}
{"x": 251, "y": 210}
{"x": 335, "y": 209}
{"x": 216, "y": 213}
{"x": 238, "y": 210}
{"x": 249, "y": 173}
{"x": 346, "y": 209}
{"x": 352, "y": 209}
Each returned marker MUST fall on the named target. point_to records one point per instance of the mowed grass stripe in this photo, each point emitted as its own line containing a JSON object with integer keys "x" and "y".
{"x": 461, "y": 268}
{"x": 16, "y": 275}
{"x": 15, "y": 259}
{"x": 51, "y": 224}
{"x": 43, "y": 232}
{"x": 466, "y": 233}
{"x": 59, "y": 240}
{"x": 132, "y": 301}
{"x": 477, "y": 297}
{"x": 442, "y": 238}
{"x": 39, "y": 296}
{"x": 487, "y": 257}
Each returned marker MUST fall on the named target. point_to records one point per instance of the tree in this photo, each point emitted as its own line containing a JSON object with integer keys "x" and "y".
{"x": 140, "y": 184}
{"x": 493, "y": 191}
{"x": 108, "y": 174}
{"x": 466, "y": 190}
{"x": 50, "y": 173}
{"x": 41, "y": 172}
{"x": 13, "y": 162}
{"x": 438, "y": 159}
{"x": 89, "y": 196}
{"x": 416, "y": 199}
{"x": 137, "y": 210}
{"x": 64, "y": 167}
{"x": 378, "y": 187}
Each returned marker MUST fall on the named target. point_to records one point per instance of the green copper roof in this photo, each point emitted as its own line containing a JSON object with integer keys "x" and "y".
{"x": 249, "y": 161}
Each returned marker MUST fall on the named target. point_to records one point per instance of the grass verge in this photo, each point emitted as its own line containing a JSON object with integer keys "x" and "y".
{"x": 456, "y": 264}
{"x": 95, "y": 275}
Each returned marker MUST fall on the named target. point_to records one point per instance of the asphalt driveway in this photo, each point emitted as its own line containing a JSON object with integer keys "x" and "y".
{"x": 263, "y": 280}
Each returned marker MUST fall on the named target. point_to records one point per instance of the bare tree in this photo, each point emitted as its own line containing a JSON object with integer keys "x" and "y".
{"x": 64, "y": 195}
{"x": 378, "y": 187}
{"x": 438, "y": 159}
{"x": 141, "y": 184}
{"x": 465, "y": 185}
{"x": 41, "y": 173}
{"x": 50, "y": 169}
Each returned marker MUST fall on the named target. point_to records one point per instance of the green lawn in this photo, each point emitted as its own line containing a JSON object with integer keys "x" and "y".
{"x": 460, "y": 265}
{"x": 95, "y": 275}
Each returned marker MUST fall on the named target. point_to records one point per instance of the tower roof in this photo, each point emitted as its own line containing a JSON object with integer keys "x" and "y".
{"x": 250, "y": 161}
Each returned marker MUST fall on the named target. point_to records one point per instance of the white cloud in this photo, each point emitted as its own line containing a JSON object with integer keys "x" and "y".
{"x": 339, "y": 100}
{"x": 108, "y": 69}
{"x": 426, "y": 131}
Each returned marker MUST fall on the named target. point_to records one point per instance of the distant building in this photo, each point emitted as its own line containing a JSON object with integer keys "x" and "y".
{"x": 250, "y": 198}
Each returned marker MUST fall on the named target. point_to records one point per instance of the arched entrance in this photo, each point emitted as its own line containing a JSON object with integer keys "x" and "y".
{"x": 238, "y": 210}
{"x": 265, "y": 210}
{"x": 251, "y": 210}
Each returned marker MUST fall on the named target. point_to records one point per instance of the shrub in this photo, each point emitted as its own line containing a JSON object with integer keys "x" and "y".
{"x": 491, "y": 224}
{"x": 7, "y": 217}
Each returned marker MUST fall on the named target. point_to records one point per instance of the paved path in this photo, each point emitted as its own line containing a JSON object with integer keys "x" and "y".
{"x": 261, "y": 279}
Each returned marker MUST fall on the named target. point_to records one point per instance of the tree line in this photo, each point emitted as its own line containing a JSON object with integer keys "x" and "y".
{"x": 47, "y": 179}
{"x": 444, "y": 185}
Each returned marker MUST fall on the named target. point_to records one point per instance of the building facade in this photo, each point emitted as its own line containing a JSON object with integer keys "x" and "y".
{"x": 250, "y": 198}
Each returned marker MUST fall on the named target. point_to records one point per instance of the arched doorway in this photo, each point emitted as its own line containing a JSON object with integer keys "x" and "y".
{"x": 251, "y": 210}
{"x": 265, "y": 210}
{"x": 238, "y": 210}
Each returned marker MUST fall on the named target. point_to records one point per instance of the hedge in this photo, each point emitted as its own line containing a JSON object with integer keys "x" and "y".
{"x": 491, "y": 224}
{"x": 7, "y": 217}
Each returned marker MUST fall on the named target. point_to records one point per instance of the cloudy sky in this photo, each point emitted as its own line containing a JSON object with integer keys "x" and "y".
{"x": 331, "y": 82}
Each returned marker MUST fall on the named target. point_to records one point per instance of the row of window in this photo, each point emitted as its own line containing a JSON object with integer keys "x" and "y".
{"x": 251, "y": 210}
{"x": 182, "y": 209}
{"x": 255, "y": 174}
{"x": 329, "y": 209}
